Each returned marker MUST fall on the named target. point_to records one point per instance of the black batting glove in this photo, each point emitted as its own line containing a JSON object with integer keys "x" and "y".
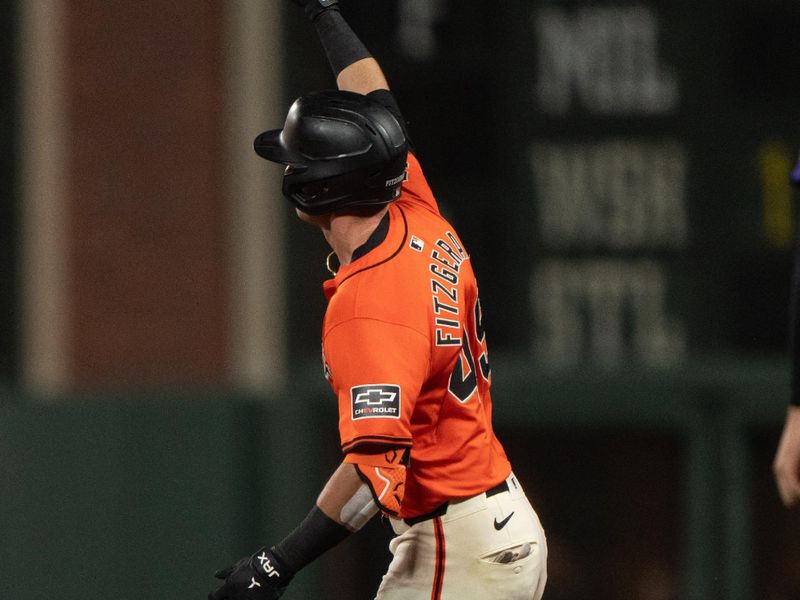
{"x": 257, "y": 577}
{"x": 315, "y": 8}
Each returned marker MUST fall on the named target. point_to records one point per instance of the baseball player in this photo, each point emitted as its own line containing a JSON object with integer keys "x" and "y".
{"x": 405, "y": 353}
{"x": 786, "y": 465}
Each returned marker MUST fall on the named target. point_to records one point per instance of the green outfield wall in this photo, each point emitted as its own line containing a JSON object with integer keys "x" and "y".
{"x": 656, "y": 477}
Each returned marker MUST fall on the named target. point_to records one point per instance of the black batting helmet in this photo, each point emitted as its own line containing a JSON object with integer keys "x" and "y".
{"x": 341, "y": 149}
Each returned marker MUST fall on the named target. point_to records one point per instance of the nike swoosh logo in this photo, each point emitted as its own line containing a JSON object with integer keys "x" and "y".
{"x": 502, "y": 523}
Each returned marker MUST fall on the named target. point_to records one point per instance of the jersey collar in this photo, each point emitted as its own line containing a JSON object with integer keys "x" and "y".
{"x": 383, "y": 244}
{"x": 374, "y": 240}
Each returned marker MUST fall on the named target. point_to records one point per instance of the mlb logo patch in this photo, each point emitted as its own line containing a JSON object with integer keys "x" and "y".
{"x": 416, "y": 243}
{"x": 377, "y": 401}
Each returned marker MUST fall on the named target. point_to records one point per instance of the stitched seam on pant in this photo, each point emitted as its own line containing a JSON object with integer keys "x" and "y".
{"x": 438, "y": 574}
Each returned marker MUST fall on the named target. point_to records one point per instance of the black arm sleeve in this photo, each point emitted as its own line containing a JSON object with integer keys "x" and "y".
{"x": 317, "y": 534}
{"x": 341, "y": 44}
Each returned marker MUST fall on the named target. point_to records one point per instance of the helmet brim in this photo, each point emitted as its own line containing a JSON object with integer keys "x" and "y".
{"x": 269, "y": 145}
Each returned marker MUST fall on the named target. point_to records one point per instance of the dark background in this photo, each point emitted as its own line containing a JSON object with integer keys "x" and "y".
{"x": 473, "y": 118}
{"x": 650, "y": 469}
{"x": 622, "y": 495}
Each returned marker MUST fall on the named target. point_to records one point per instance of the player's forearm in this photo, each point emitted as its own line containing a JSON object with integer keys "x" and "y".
{"x": 271, "y": 569}
{"x": 344, "y": 506}
{"x": 352, "y": 64}
{"x": 347, "y": 499}
{"x": 314, "y": 536}
{"x": 364, "y": 76}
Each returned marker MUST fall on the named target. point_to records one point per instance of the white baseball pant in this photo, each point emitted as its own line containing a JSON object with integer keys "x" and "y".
{"x": 488, "y": 547}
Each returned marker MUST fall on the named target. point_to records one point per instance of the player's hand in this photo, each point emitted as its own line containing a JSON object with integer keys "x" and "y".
{"x": 315, "y": 8}
{"x": 257, "y": 577}
{"x": 786, "y": 466}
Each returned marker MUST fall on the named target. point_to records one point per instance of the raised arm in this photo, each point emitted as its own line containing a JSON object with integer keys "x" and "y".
{"x": 352, "y": 64}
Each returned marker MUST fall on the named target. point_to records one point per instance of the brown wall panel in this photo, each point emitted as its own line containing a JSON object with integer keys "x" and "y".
{"x": 145, "y": 192}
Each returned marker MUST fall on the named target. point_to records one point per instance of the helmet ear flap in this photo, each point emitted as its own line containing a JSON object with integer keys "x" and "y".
{"x": 314, "y": 189}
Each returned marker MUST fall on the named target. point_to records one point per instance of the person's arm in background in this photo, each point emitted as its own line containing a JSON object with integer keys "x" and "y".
{"x": 787, "y": 459}
{"x": 786, "y": 465}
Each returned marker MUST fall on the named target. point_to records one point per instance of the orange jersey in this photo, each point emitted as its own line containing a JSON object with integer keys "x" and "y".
{"x": 405, "y": 353}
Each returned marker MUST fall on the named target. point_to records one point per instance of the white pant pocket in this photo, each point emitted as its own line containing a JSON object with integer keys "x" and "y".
{"x": 510, "y": 555}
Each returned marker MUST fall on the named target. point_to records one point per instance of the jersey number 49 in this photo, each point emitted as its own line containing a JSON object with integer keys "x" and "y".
{"x": 464, "y": 378}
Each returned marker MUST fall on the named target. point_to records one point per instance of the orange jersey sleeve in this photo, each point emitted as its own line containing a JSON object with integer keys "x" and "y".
{"x": 377, "y": 370}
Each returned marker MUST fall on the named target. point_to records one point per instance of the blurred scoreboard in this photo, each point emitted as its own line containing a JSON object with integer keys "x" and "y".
{"x": 618, "y": 170}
